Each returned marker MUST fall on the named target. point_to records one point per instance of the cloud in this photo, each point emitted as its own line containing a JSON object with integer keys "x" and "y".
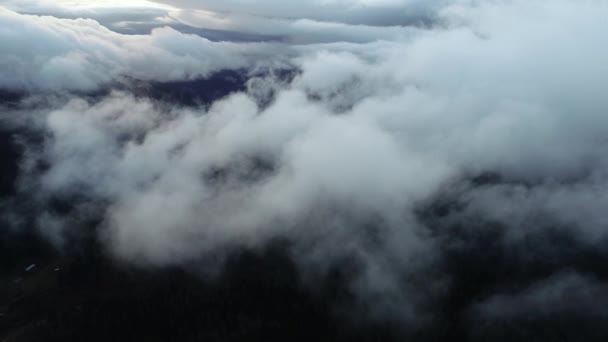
{"x": 353, "y": 12}
{"x": 144, "y": 164}
{"x": 294, "y": 31}
{"x": 77, "y": 5}
{"x": 50, "y": 54}
{"x": 314, "y": 21}
{"x": 341, "y": 160}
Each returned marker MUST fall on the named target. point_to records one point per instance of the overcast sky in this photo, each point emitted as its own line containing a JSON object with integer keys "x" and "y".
{"x": 298, "y": 22}
{"x": 381, "y": 13}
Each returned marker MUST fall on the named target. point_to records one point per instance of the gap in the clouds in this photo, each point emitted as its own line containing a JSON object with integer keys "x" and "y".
{"x": 257, "y": 296}
{"x": 200, "y": 92}
{"x": 248, "y": 170}
{"x": 197, "y": 93}
{"x": 11, "y": 98}
{"x": 10, "y": 154}
{"x": 483, "y": 260}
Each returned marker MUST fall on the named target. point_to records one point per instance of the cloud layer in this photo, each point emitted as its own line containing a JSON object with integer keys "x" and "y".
{"x": 392, "y": 153}
{"x": 355, "y": 12}
{"x": 49, "y": 54}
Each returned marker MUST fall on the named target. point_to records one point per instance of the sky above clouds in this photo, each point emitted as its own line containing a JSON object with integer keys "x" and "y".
{"x": 390, "y": 105}
{"x": 79, "y": 4}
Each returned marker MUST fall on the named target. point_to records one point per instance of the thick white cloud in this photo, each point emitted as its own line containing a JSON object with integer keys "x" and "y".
{"x": 365, "y": 172}
{"x": 46, "y": 53}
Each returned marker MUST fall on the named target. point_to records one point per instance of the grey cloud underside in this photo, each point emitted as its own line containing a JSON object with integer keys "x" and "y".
{"x": 213, "y": 35}
{"x": 456, "y": 175}
{"x": 142, "y": 21}
{"x": 372, "y": 13}
{"x": 50, "y": 54}
{"x": 105, "y": 16}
